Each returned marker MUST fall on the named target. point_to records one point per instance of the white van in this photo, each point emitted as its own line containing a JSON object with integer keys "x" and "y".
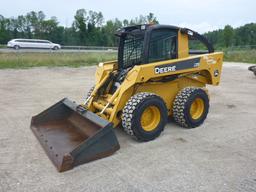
{"x": 32, "y": 43}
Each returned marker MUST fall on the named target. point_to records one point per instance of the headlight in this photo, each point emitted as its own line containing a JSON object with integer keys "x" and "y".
{"x": 100, "y": 64}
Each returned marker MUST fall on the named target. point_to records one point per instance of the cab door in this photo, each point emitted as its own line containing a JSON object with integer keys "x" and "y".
{"x": 162, "y": 45}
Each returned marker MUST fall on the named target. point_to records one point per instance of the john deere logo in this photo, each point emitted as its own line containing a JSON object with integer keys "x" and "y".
{"x": 160, "y": 70}
{"x": 182, "y": 65}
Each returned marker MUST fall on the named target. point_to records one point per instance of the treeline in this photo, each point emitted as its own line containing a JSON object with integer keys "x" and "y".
{"x": 228, "y": 37}
{"x": 88, "y": 28}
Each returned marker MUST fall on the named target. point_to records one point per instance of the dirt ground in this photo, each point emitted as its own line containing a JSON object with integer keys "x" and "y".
{"x": 218, "y": 156}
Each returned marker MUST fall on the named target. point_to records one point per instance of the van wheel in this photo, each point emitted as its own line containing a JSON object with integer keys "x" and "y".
{"x": 144, "y": 116}
{"x": 55, "y": 48}
{"x": 190, "y": 107}
{"x": 16, "y": 47}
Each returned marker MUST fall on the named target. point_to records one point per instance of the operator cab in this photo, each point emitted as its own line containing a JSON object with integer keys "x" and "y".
{"x": 142, "y": 44}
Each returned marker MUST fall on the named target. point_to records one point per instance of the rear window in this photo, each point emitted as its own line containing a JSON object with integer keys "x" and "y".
{"x": 196, "y": 47}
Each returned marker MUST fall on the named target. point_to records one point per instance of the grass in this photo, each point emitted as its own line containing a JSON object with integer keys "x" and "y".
{"x": 27, "y": 60}
{"x": 245, "y": 56}
{"x": 58, "y": 59}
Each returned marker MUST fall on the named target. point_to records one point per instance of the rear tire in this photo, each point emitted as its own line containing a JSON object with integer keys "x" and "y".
{"x": 190, "y": 107}
{"x": 144, "y": 116}
{"x": 55, "y": 48}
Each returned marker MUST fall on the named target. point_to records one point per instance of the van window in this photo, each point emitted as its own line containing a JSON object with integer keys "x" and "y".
{"x": 42, "y": 41}
{"x": 32, "y": 41}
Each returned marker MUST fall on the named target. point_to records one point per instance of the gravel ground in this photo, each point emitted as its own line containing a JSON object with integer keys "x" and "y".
{"x": 218, "y": 156}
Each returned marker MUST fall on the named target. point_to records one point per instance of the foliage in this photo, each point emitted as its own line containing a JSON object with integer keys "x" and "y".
{"x": 229, "y": 37}
{"x": 88, "y": 28}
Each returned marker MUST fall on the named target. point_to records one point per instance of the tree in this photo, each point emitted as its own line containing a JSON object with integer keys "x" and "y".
{"x": 151, "y": 19}
{"x": 4, "y": 32}
{"x": 89, "y": 28}
{"x": 228, "y": 35}
{"x": 125, "y": 23}
{"x": 79, "y": 24}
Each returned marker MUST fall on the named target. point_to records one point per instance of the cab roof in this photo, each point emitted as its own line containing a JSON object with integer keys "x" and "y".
{"x": 145, "y": 27}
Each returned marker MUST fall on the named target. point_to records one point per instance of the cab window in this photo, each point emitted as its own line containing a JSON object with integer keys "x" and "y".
{"x": 162, "y": 45}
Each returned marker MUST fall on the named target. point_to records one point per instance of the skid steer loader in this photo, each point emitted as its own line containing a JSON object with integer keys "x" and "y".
{"x": 156, "y": 76}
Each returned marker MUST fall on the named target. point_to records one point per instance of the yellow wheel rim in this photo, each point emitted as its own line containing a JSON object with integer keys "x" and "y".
{"x": 197, "y": 108}
{"x": 150, "y": 118}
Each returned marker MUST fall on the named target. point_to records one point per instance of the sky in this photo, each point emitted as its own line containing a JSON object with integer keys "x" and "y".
{"x": 199, "y": 15}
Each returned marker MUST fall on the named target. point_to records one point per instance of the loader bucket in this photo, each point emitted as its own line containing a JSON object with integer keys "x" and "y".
{"x": 71, "y": 137}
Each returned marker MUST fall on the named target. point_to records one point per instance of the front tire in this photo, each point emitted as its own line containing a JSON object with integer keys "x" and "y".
{"x": 144, "y": 116}
{"x": 16, "y": 47}
{"x": 190, "y": 107}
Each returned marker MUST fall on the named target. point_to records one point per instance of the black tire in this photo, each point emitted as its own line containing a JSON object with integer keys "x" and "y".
{"x": 16, "y": 47}
{"x": 182, "y": 104}
{"x": 132, "y": 112}
{"x": 55, "y": 48}
{"x": 252, "y": 68}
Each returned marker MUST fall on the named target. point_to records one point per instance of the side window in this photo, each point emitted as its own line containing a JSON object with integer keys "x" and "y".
{"x": 196, "y": 47}
{"x": 163, "y": 45}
